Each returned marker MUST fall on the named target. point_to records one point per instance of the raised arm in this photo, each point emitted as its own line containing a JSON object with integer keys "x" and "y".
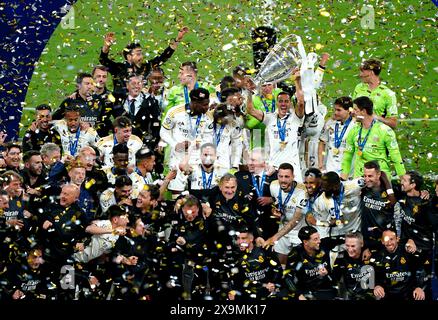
{"x": 179, "y": 37}
{"x": 299, "y": 110}
{"x": 104, "y": 59}
{"x": 258, "y": 114}
{"x": 168, "y": 52}
{"x": 108, "y": 41}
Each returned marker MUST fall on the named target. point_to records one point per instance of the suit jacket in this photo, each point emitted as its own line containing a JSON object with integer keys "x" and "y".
{"x": 146, "y": 122}
{"x": 121, "y": 70}
{"x": 245, "y": 184}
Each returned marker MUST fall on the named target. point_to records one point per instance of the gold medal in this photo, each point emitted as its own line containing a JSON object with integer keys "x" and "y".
{"x": 335, "y": 151}
{"x": 359, "y": 153}
{"x": 283, "y": 145}
{"x": 338, "y": 222}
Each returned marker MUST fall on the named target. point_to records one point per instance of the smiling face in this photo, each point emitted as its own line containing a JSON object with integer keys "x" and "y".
{"x": 14, "y": 187}
{"x": 228, "y": 188}
{"x": 43, "y": 118}
{"x": 313, "y": 243}
{"x": 245, "y": 241}
{"x": 353, "y": 246}
{"x": 134, "y": 86}
{"x": 144, "y": 200}
{"x": 123, "y": 134}
{"x": 285, "y": 179}
{"x": 312, "y": 183}
{"x": 372, "y": 178}
{"x": 87, "y": 158}
{"x": 390, "y": 240}
{"x": 135, "y": 57}
{"x": 123, "y": 192}
{"x": 284, "y": 104}
{"x": 69, "y": 194}
{"x": 359, "y": 114}
{"x": 13, "y": 157}
{"x": 77, "y": 175}
{"x": 72, "y": 119}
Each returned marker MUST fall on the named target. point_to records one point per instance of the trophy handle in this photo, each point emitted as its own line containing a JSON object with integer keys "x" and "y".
{"x": 301, "y": 49}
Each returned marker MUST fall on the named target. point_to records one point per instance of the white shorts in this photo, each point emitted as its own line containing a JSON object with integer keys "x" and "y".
{"x": 285, "y": 244}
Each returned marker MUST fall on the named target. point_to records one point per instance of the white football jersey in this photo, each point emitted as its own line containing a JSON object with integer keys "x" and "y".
{"x": 297, "y": 200}
{"x": 334, "y": 159}
{"x": 290, "y": 152}
{"x": 72, "y": 142}
{"x": 179, "y": 126}
{"x": 324, "y": 210}
{"x": 106, "y": 144}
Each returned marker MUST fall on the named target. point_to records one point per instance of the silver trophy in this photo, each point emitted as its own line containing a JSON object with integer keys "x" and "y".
{"x": 281, "y": 61}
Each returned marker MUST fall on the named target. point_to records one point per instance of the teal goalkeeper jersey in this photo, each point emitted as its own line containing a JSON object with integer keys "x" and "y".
{"x": 381, "y": 145}
{"x": 383, "y": 98}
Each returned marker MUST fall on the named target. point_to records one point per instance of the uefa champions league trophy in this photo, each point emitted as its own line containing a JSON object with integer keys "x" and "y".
{"x": 280, "y": 63}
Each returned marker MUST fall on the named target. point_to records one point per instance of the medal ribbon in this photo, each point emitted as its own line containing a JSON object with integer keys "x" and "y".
{"x": 282, "y": 205}
{"x": 361, "y": 144}
{"x": 338, "y": 139}
{"x": 206, "y": 184}
{"x": 186, "y": 95}
{"x": 194, "y": 132}
{"x": 217, "y": 134}
{"x": 259, "y": 188}
{"x": 282, "y": 129}
{"x": 73, "y": 145}
{"x": 266, "y": 105}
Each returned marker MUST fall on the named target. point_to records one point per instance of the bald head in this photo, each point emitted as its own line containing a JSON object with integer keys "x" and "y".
{"x": 69, "y": 195}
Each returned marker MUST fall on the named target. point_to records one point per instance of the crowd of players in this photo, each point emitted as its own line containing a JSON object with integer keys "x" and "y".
{"x": 226, "y": 192}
